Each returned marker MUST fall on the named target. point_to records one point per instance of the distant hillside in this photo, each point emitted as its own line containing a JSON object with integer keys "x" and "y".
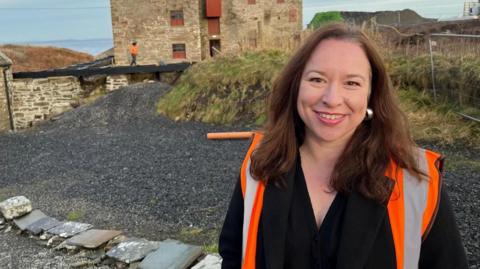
{"x": 398, "y": 18}
{"x": 404, "y": 17}
{"x": 33, "y": 58}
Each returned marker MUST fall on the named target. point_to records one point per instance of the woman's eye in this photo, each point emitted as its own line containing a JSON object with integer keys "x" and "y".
{"x": 353, "y": 83}
{"x": 318, "y": 80}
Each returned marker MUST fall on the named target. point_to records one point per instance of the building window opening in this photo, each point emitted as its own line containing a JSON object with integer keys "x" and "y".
{"x": 214, "y": 47}
{"x": 179, "y": 51}
{"x": 176, "y": 18}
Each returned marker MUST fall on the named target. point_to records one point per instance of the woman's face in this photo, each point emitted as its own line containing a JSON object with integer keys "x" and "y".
{"x": 334, "y": 89}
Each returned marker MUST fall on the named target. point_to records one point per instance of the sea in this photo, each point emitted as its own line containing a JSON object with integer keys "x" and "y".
{"x": 90, "y": 46}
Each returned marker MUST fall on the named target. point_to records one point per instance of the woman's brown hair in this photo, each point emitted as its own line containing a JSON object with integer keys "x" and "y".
{"x": 375, "y": 142}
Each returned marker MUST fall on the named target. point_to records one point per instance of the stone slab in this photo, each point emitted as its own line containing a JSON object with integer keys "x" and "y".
{"x": 43, "y": 224}
{"x": 133, "y": 249}
{"x": 15, "y": 207}
{"x": 211, "y": 261}
{"x": 171, "y": 254}
{"x": 93, "y": 238}
{"x": 25, "y": 221}
{"x": 69, "y": 228}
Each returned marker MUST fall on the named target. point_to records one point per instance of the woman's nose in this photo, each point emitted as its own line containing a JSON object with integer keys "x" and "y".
{"x": 332, "y": 96}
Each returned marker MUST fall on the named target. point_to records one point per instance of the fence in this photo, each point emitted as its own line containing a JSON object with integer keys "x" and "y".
{"x": 455, "y": 64}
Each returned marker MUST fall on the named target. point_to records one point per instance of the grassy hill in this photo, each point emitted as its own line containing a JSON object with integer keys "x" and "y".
{"x": 232, "y": 90}
{"x": 33, "y": 58}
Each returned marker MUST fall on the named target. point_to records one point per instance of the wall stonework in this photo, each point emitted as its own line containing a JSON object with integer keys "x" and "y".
{"x": 4, "y": 115}
{"x": 265, "y": 24}
{"x": 116, "y": 81}
{"x": 35, "y": 100}
{"x": 148, "y": 22}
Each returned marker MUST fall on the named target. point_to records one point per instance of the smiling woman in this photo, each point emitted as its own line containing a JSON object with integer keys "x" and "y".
{"x": 335, "y": 180}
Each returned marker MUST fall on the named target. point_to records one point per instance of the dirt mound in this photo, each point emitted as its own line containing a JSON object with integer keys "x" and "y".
{"x": 33, "y": 58}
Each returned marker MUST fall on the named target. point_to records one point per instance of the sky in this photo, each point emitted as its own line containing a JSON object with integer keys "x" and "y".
{"x": 43, "y": 20}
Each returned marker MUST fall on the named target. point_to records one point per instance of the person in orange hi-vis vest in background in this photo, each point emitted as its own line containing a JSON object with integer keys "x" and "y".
{"x": 134, "y": 52}
{"x": 334, "y": 180}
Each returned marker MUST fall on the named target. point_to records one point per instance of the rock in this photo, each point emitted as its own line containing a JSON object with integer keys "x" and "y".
{"x": 2, "y": 221}
{"x": 211, "y": 261}
{"x": 70, "y": 228}
{"x": 132, "y": 250}
{"x": 43, "y": 225}
{"x": 30, "y": 218}
{"x": 9, "y": 228}
{"x": 15, "y": 207}
{"x": 93, "y": 238}
{"x": 171, "y": 254}
{"x": 115, "y": 241}
{"x": 54, "y": 241}
{"x": 66, "y": 246}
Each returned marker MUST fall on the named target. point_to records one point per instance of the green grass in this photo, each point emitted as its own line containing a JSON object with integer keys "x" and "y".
{"x": 75, "y": 215}
{"x": 322, "y": 18}
{"x": 225, "y": 90}
{"x": 438, "y": 122}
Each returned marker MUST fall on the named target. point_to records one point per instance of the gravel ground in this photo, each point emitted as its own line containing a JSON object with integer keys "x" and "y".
{"x": 118, "y": 165}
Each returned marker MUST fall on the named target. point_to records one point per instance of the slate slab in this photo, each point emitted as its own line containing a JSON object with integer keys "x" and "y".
{"x": 171, "y": 254}
{"x": 25, "y": 221}
{"x": 93, "y": 238}
{"x": 133, "y": 249}
{"x": 69, "y": 228}
{"x": 15, "y": 207}
{"x": 43, "y": 224}
{"x": 211, "y": 261}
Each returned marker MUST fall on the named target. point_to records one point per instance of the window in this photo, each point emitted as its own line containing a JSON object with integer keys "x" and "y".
{"x": 213, "y": 26}
{"x": 251, "y": 2}
{"x": 179, "y": 51}
{"x": 176, "y": 18}
{"x": 280, "y": 1}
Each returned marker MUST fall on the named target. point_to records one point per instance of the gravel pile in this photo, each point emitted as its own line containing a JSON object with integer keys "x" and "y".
{"x": 119, "y": 165}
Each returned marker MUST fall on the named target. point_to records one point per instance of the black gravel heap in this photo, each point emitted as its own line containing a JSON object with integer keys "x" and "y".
{"x": 130, "y": 169}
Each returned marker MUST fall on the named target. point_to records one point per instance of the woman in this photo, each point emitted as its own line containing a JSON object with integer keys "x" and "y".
{"x": 335, "y": 181}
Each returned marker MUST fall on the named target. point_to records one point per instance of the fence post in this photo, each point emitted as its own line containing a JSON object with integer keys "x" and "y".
{"x": 433, "y": 71}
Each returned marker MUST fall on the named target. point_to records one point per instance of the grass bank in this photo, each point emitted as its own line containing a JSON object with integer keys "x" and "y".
{"x": 226, "y": 90}
{"x": 232, "y": 91}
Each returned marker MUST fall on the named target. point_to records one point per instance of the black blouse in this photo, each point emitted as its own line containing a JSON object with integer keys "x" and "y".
{"x": 306, "y": 246}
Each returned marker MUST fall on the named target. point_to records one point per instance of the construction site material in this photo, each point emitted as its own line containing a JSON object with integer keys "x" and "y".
{"x": 230, "y": 135}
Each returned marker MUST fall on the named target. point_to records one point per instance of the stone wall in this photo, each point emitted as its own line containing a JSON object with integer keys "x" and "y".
{"x": 265, "y": 24}
{"x": 116, "y": 81}
{"x": 148, "y": 22}
{"x": 35, "y": 100}
{"x": 4, "y": 115}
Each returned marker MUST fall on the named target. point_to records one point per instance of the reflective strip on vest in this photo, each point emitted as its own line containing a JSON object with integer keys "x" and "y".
{"x": 411, "y": 208}
{"x": 252, "y": 191}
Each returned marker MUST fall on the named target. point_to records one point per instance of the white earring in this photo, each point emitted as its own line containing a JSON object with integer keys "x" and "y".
{"x": 369, "y": 114}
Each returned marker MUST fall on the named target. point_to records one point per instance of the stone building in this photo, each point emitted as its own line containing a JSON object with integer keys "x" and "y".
{"x": 193, "y": 30}
{"x": 5, "y": 92}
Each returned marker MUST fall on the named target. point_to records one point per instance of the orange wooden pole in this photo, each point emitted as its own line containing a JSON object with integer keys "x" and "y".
{"x": 230, "y": 135}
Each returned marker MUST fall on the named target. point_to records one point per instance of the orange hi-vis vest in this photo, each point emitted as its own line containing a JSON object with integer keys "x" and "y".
{"x": 133, "y": 49}
{"x": 411, "y": 208}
